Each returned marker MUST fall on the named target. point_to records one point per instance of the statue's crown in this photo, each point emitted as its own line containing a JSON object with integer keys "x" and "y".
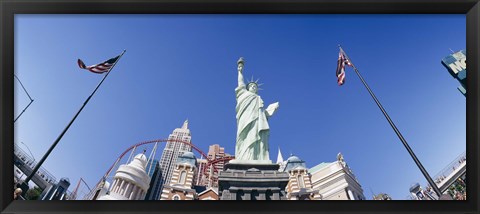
{"x": 251, "y": 82}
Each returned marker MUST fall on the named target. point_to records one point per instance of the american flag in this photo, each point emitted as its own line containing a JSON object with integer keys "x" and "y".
{"x": 99, "y": 68}
{"x": 342, "y": 61}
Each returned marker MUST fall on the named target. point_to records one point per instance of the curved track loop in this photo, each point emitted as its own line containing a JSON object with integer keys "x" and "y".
{"x": 210, "y": 162}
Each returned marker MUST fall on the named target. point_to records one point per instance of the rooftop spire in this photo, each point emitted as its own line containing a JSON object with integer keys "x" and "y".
{"x": 279, "y": 157}
{"x": 185, "y": 124}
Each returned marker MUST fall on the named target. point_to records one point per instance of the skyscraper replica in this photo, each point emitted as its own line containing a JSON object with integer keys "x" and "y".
{"x": 336, "y": 181}
{"x": 208, "y": 174}
{"x": 174, "y": 149}
{"x": 200, "y": 175}
{"x": 215, "y": 152}
{"x": 131, "y": 181}
{"x": 156, "y": 182}
{"x": 180, "y": 187}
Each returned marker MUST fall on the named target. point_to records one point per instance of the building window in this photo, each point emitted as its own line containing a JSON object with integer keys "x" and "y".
{"x": 176, "y": 197}
{"x": 183, "y": 176}
{"x": 301, "y": 183}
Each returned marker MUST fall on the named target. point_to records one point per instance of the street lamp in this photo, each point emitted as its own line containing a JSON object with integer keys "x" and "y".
{"x": 29, "y": 151}
{"x": 19, "y": 179}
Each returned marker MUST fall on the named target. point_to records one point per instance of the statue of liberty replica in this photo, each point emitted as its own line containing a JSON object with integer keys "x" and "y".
{"x": 252, "y": 121}
{"x": 252, "y": 175}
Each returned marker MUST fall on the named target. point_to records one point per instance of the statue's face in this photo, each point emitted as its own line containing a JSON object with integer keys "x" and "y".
{"x": 252, "y": 88}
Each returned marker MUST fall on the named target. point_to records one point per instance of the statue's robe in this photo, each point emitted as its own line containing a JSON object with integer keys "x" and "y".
{"x": 252, "y": 126}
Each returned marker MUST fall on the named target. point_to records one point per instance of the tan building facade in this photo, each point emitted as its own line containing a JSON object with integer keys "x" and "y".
{"x": 181, "y": 186}
{"x": 299, "y": 186}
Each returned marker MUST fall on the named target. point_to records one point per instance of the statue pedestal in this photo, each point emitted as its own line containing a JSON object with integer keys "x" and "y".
{"x": 252, "y": 181}
{"x": 251, "y": 162}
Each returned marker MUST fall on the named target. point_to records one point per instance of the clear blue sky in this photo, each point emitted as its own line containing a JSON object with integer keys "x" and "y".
{"x": 180, "y": 67}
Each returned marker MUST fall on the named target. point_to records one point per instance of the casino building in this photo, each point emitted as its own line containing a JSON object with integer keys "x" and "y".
{"x": 325, "y": 181}
{"x": 336, "y": 181}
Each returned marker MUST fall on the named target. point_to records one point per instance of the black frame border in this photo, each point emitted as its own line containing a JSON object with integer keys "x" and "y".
{"x": 8, "y": 8}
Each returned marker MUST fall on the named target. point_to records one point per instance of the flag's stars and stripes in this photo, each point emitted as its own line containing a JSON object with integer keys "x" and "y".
{"x": 342, "y": 61}
{"x": 99, "y": 68}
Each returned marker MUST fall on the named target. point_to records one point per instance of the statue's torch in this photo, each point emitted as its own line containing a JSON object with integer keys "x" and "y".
{"x": 240, "y": 64}
{"x": 240, "y": 61}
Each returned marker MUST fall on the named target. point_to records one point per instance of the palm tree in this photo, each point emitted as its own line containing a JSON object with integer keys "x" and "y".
{"x": 33, "y": 194}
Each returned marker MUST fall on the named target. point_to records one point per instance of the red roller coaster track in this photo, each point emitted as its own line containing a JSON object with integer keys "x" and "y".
{"x": 210, "y": 162}
{"x": 213, "y": 162}
{"x": 74, "y": 194}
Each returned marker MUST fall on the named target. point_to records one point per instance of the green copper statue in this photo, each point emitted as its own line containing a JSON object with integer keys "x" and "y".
{"x": 252, "y": 125}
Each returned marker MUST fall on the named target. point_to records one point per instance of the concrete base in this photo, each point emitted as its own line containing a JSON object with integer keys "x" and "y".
{"x": 242, "y": 181}
{"x": 235, "y": 161}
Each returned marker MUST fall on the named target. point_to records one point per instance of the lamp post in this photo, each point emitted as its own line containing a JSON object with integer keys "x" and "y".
{"x": 20, "y": 178}
{"x": 29, "y": 151}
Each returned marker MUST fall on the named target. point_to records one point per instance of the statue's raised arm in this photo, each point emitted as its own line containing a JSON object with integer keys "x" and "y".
{"x": 240, "y": 64}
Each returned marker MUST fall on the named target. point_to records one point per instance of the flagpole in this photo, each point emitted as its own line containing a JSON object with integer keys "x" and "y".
{"x": 24, "y": 184}
{"x": 410, "y": 151}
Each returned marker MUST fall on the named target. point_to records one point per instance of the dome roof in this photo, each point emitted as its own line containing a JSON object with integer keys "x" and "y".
{"x": 294, "y": 159}
{"x": 65, "y": 180}
{"x": 141, "y": 156}
{"x": 188, "y": 155}
{"x": 135, "y": 172}
{"x": 293, "y": 162}
{"x": 140, "y": 161}
{"x": 187, "y": 158}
